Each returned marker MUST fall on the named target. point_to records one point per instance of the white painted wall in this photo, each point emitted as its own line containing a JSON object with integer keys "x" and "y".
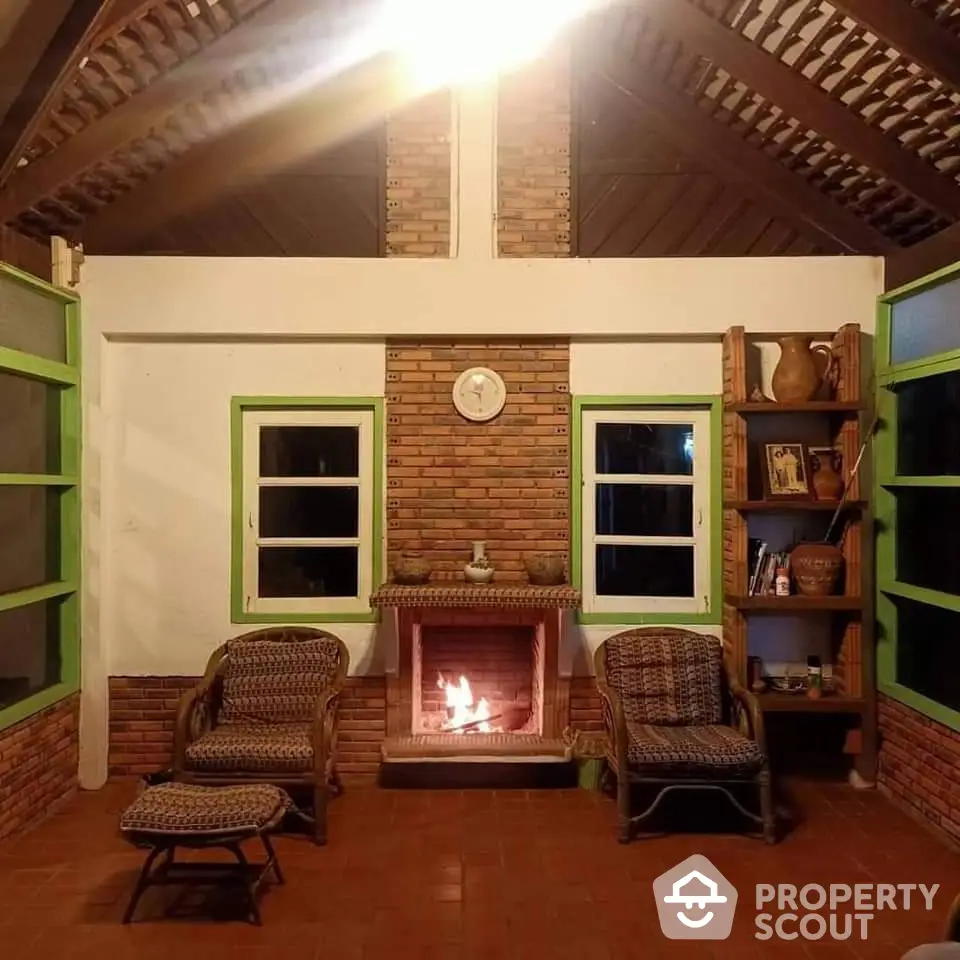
{"x": 227, "y": 297}
{"x": 170, "y": 496}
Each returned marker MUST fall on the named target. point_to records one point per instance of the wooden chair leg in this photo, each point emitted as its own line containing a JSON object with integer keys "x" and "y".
{"x": 143, "y": 881}
{"x": 624, "y": 826}
{"x": 767, "y": 809}
{"x": 272, "y": 861}
{"x": 248, "y": 883}
{"x": 320, "y": 797}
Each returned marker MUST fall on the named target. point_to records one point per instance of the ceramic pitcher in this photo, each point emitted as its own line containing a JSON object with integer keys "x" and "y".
{"x": 801, "y": 370}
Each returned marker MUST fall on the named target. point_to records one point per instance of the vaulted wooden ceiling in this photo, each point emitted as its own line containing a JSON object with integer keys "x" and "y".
{"x": 838, "y": 120}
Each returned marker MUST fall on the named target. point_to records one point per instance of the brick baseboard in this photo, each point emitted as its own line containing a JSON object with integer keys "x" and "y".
{"x": 38, "y": 765}
{"x": 919, "y": 767}
{"x": 143, "y": 710}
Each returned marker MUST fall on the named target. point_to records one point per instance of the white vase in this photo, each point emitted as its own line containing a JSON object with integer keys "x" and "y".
{"x": 478, "y": 569}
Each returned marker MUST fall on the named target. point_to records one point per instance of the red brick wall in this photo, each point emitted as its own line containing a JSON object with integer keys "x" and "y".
{"x": 920, "y": 766}
{"x": 418, "y": 179}
{"x": 38, "y": 765}
{"x": 142, "y": 715}
{"x": 585, "y": 704}
{"x": 450, "y": 481}
{"x": 143, "y": 711}
{"x": 533, "y": 158}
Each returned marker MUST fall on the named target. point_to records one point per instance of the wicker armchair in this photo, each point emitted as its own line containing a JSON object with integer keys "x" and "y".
{"x": 266, "y": 711}
{"x": 677, "y": 718}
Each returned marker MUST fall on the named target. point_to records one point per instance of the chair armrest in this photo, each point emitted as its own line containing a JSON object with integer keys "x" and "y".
{"x": 615, "y": 722}
{"x": 194, "y": 717}
{"x": 952, "y": 931}
{"x": 749, "y": 703}
{"x": 325, "y": 728}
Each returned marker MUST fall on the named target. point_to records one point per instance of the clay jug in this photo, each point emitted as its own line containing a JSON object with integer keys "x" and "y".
{"x": 827, "y": 482}
{"x": 801, "y": 369}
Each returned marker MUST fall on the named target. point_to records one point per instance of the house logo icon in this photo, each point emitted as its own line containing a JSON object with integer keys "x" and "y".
{"x": 695, "y": 901}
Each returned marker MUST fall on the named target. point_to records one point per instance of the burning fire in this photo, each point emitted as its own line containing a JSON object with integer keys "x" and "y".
{"x": 464, "y": 717}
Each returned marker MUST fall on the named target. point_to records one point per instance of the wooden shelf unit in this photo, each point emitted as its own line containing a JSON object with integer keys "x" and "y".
{"x": 843, "y": 417}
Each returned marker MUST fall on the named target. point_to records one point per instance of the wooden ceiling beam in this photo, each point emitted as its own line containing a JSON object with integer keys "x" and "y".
{"x": 936, "y": 252}
{"x": 69, "y": 44}
{"x": 693, "y": 132}
{"x": 913, "y": 34}
{"x": 803, "y": 100}
{"x": 292, "y": 123}
{"x": 30, "y": 36}
{"x": 148, "y": 109}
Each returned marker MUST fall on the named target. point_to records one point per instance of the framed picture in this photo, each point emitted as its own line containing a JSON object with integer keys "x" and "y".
{"x": 786, "y": 472}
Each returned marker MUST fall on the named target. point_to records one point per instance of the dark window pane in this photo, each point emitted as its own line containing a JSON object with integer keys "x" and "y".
{"x": 309, "y": 511}
{"x": 644, "y": 571}
{"x": 644, "y": 510}
{"x": 29, "y": 426}
{"x": 29, "y": 537}
{"x": 928, "y": 426}
{"x": 29, "y": 650}
{"x": 309, "y": 572}
{"x": 927, "y": 555}
{"x": 928, "y": 651}
{"x": 309, "y": 452}
{"x": 31, "y": 322}
{"x": 645, "y": 448}
{"x": 926, "y": 323}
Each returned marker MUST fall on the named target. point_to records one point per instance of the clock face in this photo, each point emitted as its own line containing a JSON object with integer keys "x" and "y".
{"x": 479, "y": 394}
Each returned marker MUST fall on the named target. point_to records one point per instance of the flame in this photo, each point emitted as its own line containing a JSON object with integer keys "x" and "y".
{"x": 461, "y": 709}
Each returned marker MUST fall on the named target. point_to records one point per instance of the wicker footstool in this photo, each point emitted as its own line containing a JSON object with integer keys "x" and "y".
{"x": 172, "y": 815}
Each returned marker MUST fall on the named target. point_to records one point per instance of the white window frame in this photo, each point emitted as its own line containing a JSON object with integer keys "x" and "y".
{"x": 699, "y": 479}
{"x": 252, "y": 481}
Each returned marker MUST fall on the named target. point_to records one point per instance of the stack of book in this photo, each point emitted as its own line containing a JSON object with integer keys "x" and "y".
{"x": 764, "y": 565}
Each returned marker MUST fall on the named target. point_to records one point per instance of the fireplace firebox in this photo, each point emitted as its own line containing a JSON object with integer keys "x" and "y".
{"x": 476, "y": 673}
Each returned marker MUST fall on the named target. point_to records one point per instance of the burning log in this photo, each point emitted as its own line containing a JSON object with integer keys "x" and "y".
{"x": 460, "y": 728}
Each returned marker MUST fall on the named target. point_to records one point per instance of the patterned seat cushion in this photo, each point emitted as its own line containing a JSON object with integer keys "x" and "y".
{"x": 185, "y": 808}
{"x": 267, "y": 681}
{"x": 253, "y": 748}
{"x": 666, "y": 679}
{"x": 713, "y": 750}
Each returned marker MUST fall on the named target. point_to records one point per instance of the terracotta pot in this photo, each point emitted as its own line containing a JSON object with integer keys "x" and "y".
{"x": 544, "y": 569}
{"x": 816, "y": 568}
{"x": 411, "y": 569}
{"x": 801, "y": 370}
{"x": 827, "y": 483}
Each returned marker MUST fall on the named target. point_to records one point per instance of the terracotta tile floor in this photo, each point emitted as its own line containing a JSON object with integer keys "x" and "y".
{"x": 478, "y": 874}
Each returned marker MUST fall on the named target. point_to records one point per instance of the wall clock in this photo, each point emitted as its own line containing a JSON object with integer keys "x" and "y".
{"x": 479, "y": 394}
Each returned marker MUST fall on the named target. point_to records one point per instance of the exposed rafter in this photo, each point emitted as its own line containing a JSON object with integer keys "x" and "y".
{"x": 809, "y": 104}
{"x": 934, "y": 253}
{"x": 294, "y": 124}
{"x": 912, "y": 33}
{"x": 70, "y": 43}
{"x": 136, "y": 117}
{"x": 682, "y": 122}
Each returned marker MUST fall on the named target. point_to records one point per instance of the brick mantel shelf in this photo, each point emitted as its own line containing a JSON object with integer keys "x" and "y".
{"x": 494, "y": 596}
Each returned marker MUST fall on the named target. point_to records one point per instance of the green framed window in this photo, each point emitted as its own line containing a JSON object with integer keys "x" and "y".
{"x": 39, "y": 495}
{"x": 646, "y": 519}
{"x": 307, "y": 506}
{"x": 917, "y": 495}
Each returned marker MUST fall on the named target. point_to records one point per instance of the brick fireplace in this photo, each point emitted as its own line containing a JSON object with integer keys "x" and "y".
{"x": 500, "y": 644}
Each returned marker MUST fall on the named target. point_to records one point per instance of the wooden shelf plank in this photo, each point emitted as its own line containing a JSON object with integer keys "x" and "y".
{"x": 789, "y": 506}
{"x": 808, "y": 406}
{"x": 794, "y": 604}
{"x": 775, "y": 702}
